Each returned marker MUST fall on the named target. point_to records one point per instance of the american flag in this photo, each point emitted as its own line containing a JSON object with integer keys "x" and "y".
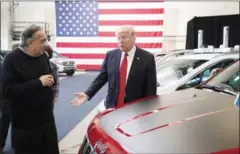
{"x": 85, "y": 29}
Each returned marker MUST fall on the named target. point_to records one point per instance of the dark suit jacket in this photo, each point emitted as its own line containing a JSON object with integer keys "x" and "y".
{"x": 141, "y": 80}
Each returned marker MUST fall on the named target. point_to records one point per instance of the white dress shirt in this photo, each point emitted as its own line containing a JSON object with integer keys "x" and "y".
{"x": 130, "y": 57}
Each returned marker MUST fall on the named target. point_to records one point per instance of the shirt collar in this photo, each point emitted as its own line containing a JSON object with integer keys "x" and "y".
{"x": 131, "y": 53}
{"x": 22, "y": 49}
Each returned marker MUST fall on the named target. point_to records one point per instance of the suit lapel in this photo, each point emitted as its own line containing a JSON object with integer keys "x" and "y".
{"x": 117, "y": 61}
{"x": 135, "y": 64}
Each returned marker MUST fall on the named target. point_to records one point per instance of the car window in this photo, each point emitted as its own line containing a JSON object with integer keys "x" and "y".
{"x": 227, "y": 80}
{"x": 174, "y": 70}
{"x": 234, "y": 82}
{"x": 230, "y": 84}
{"x": 206, "y": 74}
{"x": 55, "y": 54}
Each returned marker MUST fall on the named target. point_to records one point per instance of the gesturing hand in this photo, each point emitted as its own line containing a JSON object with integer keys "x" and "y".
{"x": 79, "y": 99}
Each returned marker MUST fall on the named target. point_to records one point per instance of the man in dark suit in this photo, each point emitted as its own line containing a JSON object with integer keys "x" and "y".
{"x": 129, "y": 71}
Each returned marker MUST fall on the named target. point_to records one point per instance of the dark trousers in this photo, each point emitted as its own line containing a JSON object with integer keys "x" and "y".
{"x": 5, "y": 122}
{"x": 40, "y": 140}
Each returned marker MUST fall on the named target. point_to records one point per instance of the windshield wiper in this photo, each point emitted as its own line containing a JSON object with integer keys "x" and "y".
{"x": 217, "y": 89}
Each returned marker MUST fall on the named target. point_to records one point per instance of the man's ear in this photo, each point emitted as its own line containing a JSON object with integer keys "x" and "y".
{"x": 134, "y": 39}
{"x": 29, "y": 42}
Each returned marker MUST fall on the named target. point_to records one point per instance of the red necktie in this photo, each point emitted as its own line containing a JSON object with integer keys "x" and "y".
{"x": 122, "y": 81}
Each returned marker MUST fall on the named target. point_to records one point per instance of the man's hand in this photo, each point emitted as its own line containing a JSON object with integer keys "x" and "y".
{"x": 80, "y": 99}
{"x": 47, "y": 80}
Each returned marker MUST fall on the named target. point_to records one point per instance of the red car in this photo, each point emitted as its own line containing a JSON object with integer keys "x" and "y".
{"x": 196, "y": 120}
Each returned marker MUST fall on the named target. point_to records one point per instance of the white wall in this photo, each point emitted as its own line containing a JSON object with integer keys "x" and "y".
{"x": 37, "y": 12}
{"x": 177, "y": 14}
{"x": 5, "y": 26}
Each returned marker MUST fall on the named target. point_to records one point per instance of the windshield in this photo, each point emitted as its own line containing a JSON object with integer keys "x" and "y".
{"x": 175, "y": 69}
{"x": 228, "y": 79}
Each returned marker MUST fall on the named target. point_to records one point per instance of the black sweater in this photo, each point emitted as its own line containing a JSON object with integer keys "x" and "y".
{"x": 31, "y": 103}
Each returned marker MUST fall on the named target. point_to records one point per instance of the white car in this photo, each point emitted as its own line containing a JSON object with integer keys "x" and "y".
{"x": 64, "y": 64}
{"x": 227, "y": 81}
{"x": 187, "y": 70}
{"x": 190, "y": 70}
{"x": 161, "y": 58}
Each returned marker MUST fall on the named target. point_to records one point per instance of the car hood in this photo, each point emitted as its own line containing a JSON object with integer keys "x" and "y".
{"x": 164, "y": 90}
{"x": 184, "y": 121}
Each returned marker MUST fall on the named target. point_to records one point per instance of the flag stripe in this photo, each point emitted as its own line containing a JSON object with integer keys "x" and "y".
{"x": 128, "y": 1}
{"x": 90, "y": 61}
{"x": 96, "y": 50}
{"x": 130, "y": 17}
{"x": 105, "y": 39}
{"x": 84, "y": 56}
{"x": 131, "y": 5}
{"x": 88, "y": 67}
{"x": 137, "y": 28}
{"x": 138, "y": 34}
{"x": 130, "y": 22}
{"x": 131, "y": 11}
{"x": 104, "y": 45}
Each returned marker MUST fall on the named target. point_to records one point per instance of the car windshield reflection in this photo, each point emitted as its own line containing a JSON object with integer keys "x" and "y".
{"x": 176, "y": 69}
{"x": 228, "y": 79}
{"x": 57, "y": 55}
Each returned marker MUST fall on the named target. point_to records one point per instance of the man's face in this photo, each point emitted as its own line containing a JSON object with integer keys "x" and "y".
{"x": 38, "y": 42}
{"x": 125, "y": 41}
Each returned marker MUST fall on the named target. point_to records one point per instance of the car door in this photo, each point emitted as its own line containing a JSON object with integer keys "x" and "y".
{"x": 206, "y": 74}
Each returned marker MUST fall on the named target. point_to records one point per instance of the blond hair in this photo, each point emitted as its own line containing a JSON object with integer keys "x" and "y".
{"x": 126, "y": 28}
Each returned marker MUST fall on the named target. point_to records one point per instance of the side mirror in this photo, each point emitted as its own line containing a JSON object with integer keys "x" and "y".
{"x": 158, "y": 84}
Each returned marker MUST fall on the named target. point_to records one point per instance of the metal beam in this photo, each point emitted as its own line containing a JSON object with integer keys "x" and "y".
{"x": 13, "y": 5}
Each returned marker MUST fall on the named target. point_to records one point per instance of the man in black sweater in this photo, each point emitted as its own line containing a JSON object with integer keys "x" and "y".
{"x": 54, "y": 68}
{"x": 27, "y": 81}
{"x": 5, "y": 119}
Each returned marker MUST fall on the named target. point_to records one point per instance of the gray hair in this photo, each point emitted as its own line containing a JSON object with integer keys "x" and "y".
{"x": 28, "y": 33}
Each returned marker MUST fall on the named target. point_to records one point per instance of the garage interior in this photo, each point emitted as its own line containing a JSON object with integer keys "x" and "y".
{"x": 173, "y": 27}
